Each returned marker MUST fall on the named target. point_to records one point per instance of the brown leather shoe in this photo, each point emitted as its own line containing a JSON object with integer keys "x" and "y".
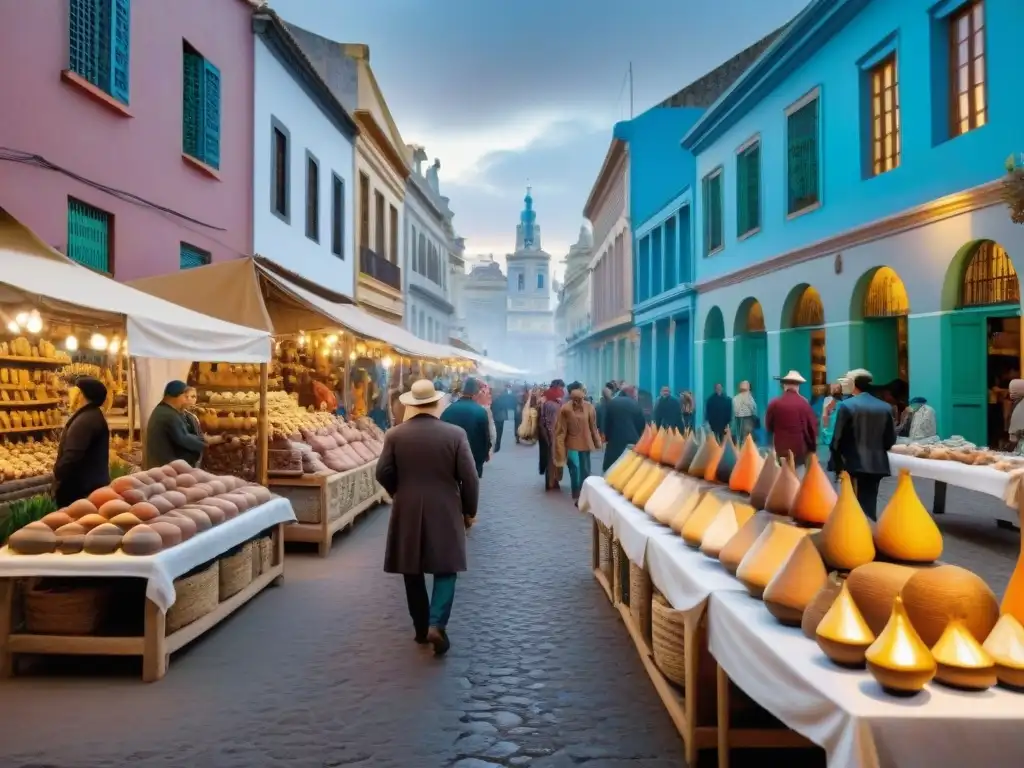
{"x": 438, "y": 638}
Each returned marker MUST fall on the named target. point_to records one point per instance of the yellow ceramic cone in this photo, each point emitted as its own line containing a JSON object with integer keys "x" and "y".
{"x": 846, "y": 541}
{"x": 643, "y": 445}
{"x": 961, "y": 660}
{"x": 682, "y": 514}
{"x": 625, "y": 473}
{"x": 616, "y": 470}
{"x": 698, "y": 522}
{"x": 638, "y": 478}
{"x": 670, "y": 495}
{"x": 711, "y": 469}
{"x": 709, "y": 447}
{"x": 905, "y": 530}
{"x": 842, "y": 633}
{"x": 1005, "y": 644}
{"x": 644, "y": 493}
{"x": 899, "y": 660}
{"x": 793, "y": 588}
{"x": 727, "y": 523}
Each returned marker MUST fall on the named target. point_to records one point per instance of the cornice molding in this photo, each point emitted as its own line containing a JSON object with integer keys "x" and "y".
{"x": 380, "y": 139}
{"x": 614, "y": 160}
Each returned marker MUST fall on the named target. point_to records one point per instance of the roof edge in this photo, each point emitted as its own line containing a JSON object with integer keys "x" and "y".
{"x": 616, "y": 150}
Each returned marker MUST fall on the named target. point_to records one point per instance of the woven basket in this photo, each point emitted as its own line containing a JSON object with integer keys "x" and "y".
{"x": 69, "y": 611}
{"x": 236, "y": 571}
{"x": 640, "y": 595}
{"x": 616, "y": 578}
{"x": 667, "y": 640}
{"x": 604, "y": 550}
{"x": 195, "y": 596}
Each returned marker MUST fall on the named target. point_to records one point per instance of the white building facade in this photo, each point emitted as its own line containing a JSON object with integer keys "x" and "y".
{"x": 485, "y": 298}
{"x": 303, "y": 164}
{"x": 574, "y": 310}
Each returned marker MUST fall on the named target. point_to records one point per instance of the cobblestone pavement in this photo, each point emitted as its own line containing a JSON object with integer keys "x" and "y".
{"x": 323, "y": 671}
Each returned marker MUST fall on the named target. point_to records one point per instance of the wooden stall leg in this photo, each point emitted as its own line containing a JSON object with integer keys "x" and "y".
{"x": 690, "y": 665}
{"x": 939, "y": 502}
{"x": 278, "y": 536}
{"x": 722, "y": 686}
{"x": 6, "y": 625}
{"x": 154, "y": 653}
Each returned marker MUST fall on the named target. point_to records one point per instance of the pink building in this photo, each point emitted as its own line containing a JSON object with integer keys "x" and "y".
{"x": 126, "y": 136}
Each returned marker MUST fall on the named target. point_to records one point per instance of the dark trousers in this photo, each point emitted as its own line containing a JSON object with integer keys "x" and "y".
{"x": 517, "y": 422}
{"x": 578, "y": 472}
{"x": 866, "y": 487}
{"x": 435, "y": 610}
{"x": 499, "y": 430}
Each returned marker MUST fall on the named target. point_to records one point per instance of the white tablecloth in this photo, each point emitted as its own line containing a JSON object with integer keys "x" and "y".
{"x": 685, "y": 576}
{"x": 981, "y": 479}
{"x": 159, "y": 570}
{"x": 845, "y": 711}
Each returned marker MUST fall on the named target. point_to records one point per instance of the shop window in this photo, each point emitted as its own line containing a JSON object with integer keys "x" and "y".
{"x": 809, "y": 311}
{"x": 803, "y": 161}
{"x": 89, "y": 236}
{"x": 200, "y": 114}
{"x": 886, "y": 295}
{"x": 190, "y": 257}
{"x": 714, "y": 230}
{"x": 755, "y": 318}
{"x": 885, "y": 117}
{"x": 99, "y": 44}
{"x": 748, "y": 189}
{"x": 337, "y": 216}
{"x": 312, "y": 198}
{"x": 989, "y": 278}
{"x": 968, "y": 103}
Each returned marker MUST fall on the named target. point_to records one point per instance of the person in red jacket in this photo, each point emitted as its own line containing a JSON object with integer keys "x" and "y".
{"x": 791, "y": 422}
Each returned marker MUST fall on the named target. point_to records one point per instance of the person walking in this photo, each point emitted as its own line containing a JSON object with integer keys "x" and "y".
{"x": 791, "y": 421}
{"x": 864, "y": 433}
{"x": 668, "y": 412}
{"x": 551, "y": 402}
{"x": 576, "y": 435}
{"x": 472, "y": 417}
{"x": 83, "y": 461}
{"x": 718, "y": 411}
{"x": 428, "y": 469}
{"x": 623, "y": 425}
{"x": 688, "y": 407}
{"x": 502, "y": 409}
{"x": 744, "y": 410}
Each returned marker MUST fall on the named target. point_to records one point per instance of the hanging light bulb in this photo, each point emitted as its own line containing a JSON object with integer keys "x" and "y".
{"x": 34, "y": 324}
{"x": 98, "y": 341}
{"x": 71, "y": 343}
{"x": 387, "y": 362}
{"x": 21, "y": 319}
{"x": 13, "y": 327}
{"x": 361, "y": 348}
{"x": 332, "y": 339}
{"x": 115, "y": 346}
{"x": 352, "y": 356}
{"x": 302, "y": 339}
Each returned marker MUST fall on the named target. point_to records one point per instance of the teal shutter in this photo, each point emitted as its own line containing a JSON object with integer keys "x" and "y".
{"x": 191, "y": 109}
{"x": 211, "y": 115}
{"x": 748, "y": 190}
{"x": 802, "y": 157}
{"x": 120, "y": 49}
{"x": 86, "y": 36}
{"x": 191, "y": 257}
{"x": 714, "y": 213}
{"x": 88, "y": 236}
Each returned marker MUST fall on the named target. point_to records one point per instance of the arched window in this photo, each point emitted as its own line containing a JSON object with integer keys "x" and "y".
{"x": 989, "y": 278}
{"x": 886, "y": 295}
{"x": 809, "y": 311}
{"x": 540, "y": 281}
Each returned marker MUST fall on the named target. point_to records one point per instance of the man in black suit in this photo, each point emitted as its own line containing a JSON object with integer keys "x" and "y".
{"x": 502, "y": 407}
{"x": 622, "y": 424}
{"x": 863, "y": 435}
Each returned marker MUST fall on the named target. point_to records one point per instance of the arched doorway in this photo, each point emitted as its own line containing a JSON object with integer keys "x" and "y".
{"x": 714, "y": 351}
{"x": 983, "y": 342}
{"x": 750, "y": 351}
{"x": 802, "y": 341}
{"x": 880, "y": 300}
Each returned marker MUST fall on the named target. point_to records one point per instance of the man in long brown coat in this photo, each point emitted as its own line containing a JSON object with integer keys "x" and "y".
{"x": 427, "y": 468}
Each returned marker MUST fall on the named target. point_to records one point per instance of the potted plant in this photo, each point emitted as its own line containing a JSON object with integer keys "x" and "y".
{"x": 1013, "y": 187}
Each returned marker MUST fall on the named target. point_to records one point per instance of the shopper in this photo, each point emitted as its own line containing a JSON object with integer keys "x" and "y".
{"x": 864, "y": 433}
{"x": 623, "y": 424}
{"x": 718, "y": 411}
{"x": 167, "y": 435}
{"x": 668, "y": 412}
{"x": 551, "y": 403}
{"x": 472, "y": 417}
{"x": 428, "y": 469}
{"x": 791, "y": 421}
{"x": 576, "y": 436}
{"x": 503, "y": 408}
{"x": 689, "y": 408}
{"x": 744, "y": 411}
{"x": 83, "y": 461}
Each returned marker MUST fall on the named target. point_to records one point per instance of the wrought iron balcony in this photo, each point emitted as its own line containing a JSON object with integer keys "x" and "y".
{"x": 376, "y": 266}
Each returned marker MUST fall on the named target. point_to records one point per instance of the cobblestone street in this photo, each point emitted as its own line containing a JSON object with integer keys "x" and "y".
{"x": 324, "y": 672}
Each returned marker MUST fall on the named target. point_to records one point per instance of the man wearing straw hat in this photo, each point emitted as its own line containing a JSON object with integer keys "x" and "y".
{"x": 790, "y": 420}
{"x": 427, "y": 468}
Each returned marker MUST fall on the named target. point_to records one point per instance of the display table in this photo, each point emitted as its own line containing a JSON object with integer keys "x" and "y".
{"x": 981, "y": 479}
{"x": 159, "y": 572}
{"x": 326, "y": 504}
{"x": 845, "y": 711}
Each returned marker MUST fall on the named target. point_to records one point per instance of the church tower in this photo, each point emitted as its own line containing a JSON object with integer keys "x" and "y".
{"x": 531, "y": 318}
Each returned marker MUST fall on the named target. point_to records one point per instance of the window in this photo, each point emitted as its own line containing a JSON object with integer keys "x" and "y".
{"x": 540, "y": 282}
{"x": 189, "y": 257}
{"x": 99, "y": 43}
{"x": 200, "y": 114}
{"x": 312, "y": 198}
{"x": 379, "y": 223}
{"x": 885, "y": 117}
{"x": 393, "y": 255}
{"x": 802, "y": 162}
{"x": 89, "y": 236}
{"x": 967, "y": 59}
{"x": 279, "y": 204}
{"x": 714, "y": 231}
{"x": 337, "y": 216}
{"x": 748, "y": 189}
{"x": 521, "y": 282}
{"x": 421, "y": 261}
{"x": 364, "y": 211}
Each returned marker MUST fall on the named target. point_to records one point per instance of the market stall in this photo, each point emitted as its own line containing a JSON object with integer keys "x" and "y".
{"x": 853, "y": 636}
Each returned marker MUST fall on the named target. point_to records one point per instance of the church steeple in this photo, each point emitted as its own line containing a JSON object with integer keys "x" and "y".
{"x": 528, "y": 219}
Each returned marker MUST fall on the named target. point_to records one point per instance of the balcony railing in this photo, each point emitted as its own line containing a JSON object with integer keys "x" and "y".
{"x": 376, "y": 266}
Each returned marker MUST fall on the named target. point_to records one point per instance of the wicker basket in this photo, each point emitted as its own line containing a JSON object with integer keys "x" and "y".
{"x": 604, "y": 550}
{"x": 262, "y": 555}
{"x": 195, "y": 596}
{"x": 236, "y": 571}
{"x": 667, "y": 640}
{"x": 65, "y": 611}
{"x": 640, "y": 593}
{"x": 616, "y": 579}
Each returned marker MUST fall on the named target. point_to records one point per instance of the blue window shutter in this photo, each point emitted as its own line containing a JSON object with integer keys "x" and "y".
{"x": 192, "y": 257}
{"x": 191, "y": 109}
{"x": 87, "y": 39}
{"x": 120, "y": 49}
{"x": 211, "y": 115}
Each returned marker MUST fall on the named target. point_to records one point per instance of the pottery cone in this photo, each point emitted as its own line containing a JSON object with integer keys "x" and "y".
{"x": 716, "y": 456}
{"x": 793, "y": 588}
{"x": 697, "y": 523}
{"x": 769, "y": 553}
{"x": 673, "y": 449}
{"x": 658, "y": 445}
{"x": 818, "y": 607}
{"x": 638, "y": 479}
{"x": 765, "y": 481}
{"x": 726, "y": 463}
{"x": 784, "y": 490}
{"x": 815, "y": 498}
{"x": 709, "y": 447}
{"x": 1005, "y": 644}
{"x": 643, "y": 445}
{"x": 846, "y": 540}
{"x": 690, "y": 448}
{"x": 898, "y": 659}
{"x": 961, "y": 660}
{"x": 842, "y": 634}
{"x": 670, "y": 493}
{"x": 1013, "y": 597}
{"x": 748, "y": 467}
{"x": 681, "y": 515}
{"x": 619, "y": 469}
{"x": 737, "y": 547}
{"x": 727, "y": 523}
{"x": 905, "y": 530}
{"x": 648, "y": 489}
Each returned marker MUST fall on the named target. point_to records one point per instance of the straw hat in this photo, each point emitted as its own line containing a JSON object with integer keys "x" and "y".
{"x": 420, "y": 394}
{"x": 793, "y": 377}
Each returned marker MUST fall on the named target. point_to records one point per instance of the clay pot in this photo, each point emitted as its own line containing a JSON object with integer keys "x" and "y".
{"x": 181, "y": 466}
{"x": 784, "y": 489}
{"x": 640, "y": 498}
{"x": 690, "y": 448}
{"x": 135, "y": 495}
{"x": 815, "y": 497}
{"x": 873, "y": 587}
{"x": 796, "y": 584}
{"x": 70, "y": 539}
{"x": 103, "y": 539}
{"x": 225, "y": 504}
{"x": 157, "y": 489}
{"x": 217, "y": 513}
{"x": 726, "y": 462}
{"x": 186, "y": 481}
{"x": 934, "y": 597}
{"x": 36, "y": 538}
{"x": 658, "y": 445}
{"x": 765, "y": 481}
{"x": 177, "y": 498}
{"x": 673, "y": 449}
{"x": 125, "y": 521}
{"x": 899, "y": 660}
{"x": 842, "y": 634}
{"x": 737, "y": 547}
{"x": 194, "y": 494}
{"x": 170, "y": 534}
{"x": 698, "y": 522}
{"x": 122, "y": 484}
{"x": 262, "y": 494}
{"x": 670, "y": 495}
{"x": 768, "y": 555}
{"x": 961, "y": 661}
{"x": 1005, "y": 644}
{"x": 142, "y": 541}
{"x": 162, "y": 503}
{"x": 144, "y": 511}
{"x": 846, "y": 541}
{"x": 820, "y": 604}
{"x": 709, "y": 448}
{"x": 170, "y": 483}
{"x": 114, "y": 508}
{"x": 197, "y": 516}
{"x": 748, "y": 468}
{"x": 905, "y": 530}
{"x": 80, "y": 508}
{"x": 91, "y": 521}
{"x": 217, "y": 487}
{"x": 101, "y": 496}
{"x": 183, "y": 523}
{"x": 727, "y": 523}
{"x": 643, "y": 445}
{"x": 55, "y": 520}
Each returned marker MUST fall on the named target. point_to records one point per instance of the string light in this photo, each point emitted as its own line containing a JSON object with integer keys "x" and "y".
{"x": 332, "y": 339}
{"x": 71, "y": 343}
{"x": 98, "y": 342}
{"x": 35, "y": 323}
{"x": 387, "y": 362}
{"x": 21, "y": 319}
{"x": 13, "y": 327}
{"x": 115, "y": 346}
{"x": 352, "y": 356}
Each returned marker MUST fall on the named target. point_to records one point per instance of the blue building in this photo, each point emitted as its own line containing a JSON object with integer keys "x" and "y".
{"x": 849, "y": 211}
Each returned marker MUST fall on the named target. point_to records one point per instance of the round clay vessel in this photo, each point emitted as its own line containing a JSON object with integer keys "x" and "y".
{"x": 225, "y": 505}
{"x": 80, "y": 508}
{"x": 793, "y": 588}
{"x": 216, "y": 513}
{"x": 142, "y": 541}
{"x": 202, "y": 476}
{"x": 194, "y": 494}
{"x": 239, "y": 499}
{"x": 819, "y": 606}
{"x": 125, "y": 521}
{"x": 70, "y": 539}
{"x": 157, "y": 488}
{"x": 217, "y": 487}
{"x": 185, "y": 524}
{"x": 144, "y": 511}
{"x": 873, "y": 587}
{"x": 784, "y": 490}
{"x": 55, "y": 520}
{"x": 135, "y": 495}
{"x": 177, "y": 498}
{"x": 36, "y": 538}
{"x": 91, "y": 521}
{"x": 815, "y": 497}
{"x": 765, "y": 480}
{"x": 103, "y": 539}
{"x": 181, "y": 466}
{"x": 122, "y": 484}
{"x": 200, "y": 518}
{"x": 101, "y": 496}
{"x": 769, "y": 553}
{"x": 935, "y": 597}
{"x": 162, "y": 503}
{"x": 230, "y": 482}
{"x": 185, "y": 481}
{"x": 262, "y": 494}
{"x": 114, "y": 508}
{"x": 737, "y": 547}
{"x": 170, "y": 483}
{"x": 170, "y": 534}
{"x": 168, "y": 470}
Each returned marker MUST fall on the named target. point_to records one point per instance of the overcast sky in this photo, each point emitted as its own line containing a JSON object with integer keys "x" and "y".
{"x": 506, "y": 93}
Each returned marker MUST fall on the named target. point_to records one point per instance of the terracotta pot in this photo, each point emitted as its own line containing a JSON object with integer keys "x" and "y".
{"x": 815, "y": 497}
{"x": 934, "y": 597}
{"x": 736, "y": 548}
{"x": 765, "y": 480}
{"x": 727, "y": 523}
{"x": 796, "y": 584}
{"x": 748, "y": 468}
{"x": 769, "y": 553}
{"x": 820, "y": 604}
{"x": 846, "y": 541}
